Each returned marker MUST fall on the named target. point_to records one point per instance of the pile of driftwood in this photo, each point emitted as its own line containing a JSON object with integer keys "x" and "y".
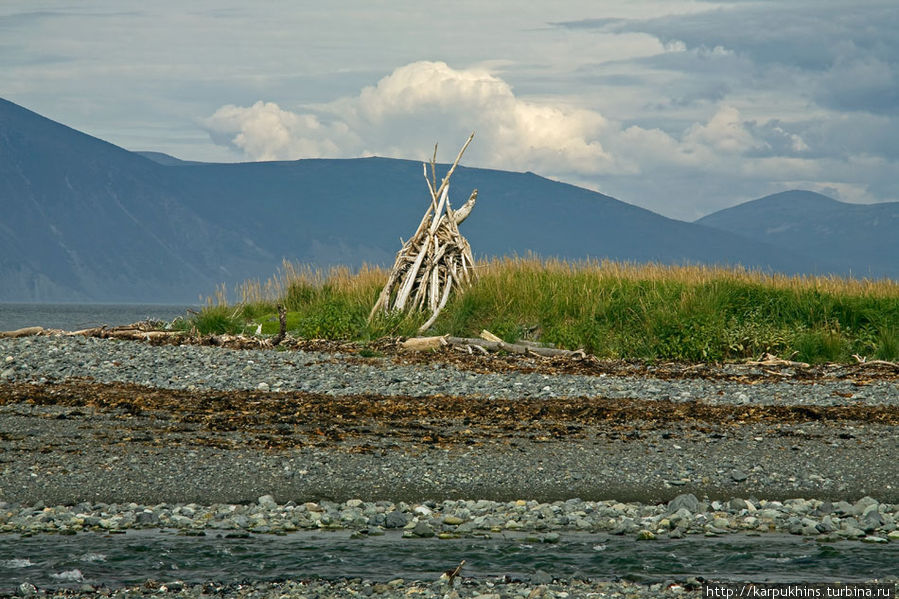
{"x": 436, "y": 259}
{"x": 136, "y": 332}
{"x": 151, "y": 332}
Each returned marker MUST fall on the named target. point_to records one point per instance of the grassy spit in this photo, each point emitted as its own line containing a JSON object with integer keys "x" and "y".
{"x": 610, "y": 309}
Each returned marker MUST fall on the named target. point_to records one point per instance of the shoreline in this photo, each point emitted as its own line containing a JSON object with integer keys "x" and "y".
{"x": 423, "y": 589}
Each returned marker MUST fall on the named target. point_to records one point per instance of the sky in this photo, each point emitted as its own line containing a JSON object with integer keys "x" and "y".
{"x": 683, "y": 107}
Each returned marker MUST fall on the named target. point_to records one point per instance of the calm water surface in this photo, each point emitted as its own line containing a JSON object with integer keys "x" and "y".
{"x": 81, "y": 316}
{"x": 132, "y": 558}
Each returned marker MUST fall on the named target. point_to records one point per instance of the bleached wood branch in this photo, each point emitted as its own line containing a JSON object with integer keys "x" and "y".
{"x": 24, "y": 332}
{"x": 440, "y": 306}
{"x": 463, "y": 212}
{"x": 449, "y": 174}
{"x": 772, "y": 360}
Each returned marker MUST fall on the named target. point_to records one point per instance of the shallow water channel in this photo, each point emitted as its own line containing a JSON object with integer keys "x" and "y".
{"x": 50, "y": 561}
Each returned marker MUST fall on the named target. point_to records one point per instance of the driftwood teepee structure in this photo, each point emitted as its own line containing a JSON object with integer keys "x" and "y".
{"x": 436, "y": 259}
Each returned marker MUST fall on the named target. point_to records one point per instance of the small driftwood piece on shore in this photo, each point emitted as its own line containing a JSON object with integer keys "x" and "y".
{"x": 864, "y": 361}
{"x": 423, "y": 343}
{"x": 282, "y": 326}
{"x": 771, "y": 360}
{"x": 516, "y": 348}
{"x": 450, "y": 575}
{"x": 24, "y": 332}
{"x": 436, "y": 260}
{"x": 133, "y": 332}
{"x": 488, "y": 336}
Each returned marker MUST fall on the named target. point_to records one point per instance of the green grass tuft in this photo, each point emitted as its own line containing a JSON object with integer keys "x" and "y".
{"x": 887, "y": 346}
{"x": 219, "y": 319}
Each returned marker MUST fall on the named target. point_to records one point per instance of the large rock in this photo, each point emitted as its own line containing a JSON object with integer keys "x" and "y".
{"x": 396, "y": 519}
{"x": 686, "y": 501}
{"x": 423, "y": 529}
{"x": 267, "y": 502}
{"x": 871, "y": 520}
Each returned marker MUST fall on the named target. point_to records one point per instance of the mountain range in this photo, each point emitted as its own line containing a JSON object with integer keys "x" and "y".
{"x": 85, "y": 220}
{"x": 861, "y": 240}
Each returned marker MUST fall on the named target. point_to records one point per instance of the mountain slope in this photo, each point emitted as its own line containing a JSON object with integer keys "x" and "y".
{"x": 84, "y": 219}
{"x": 859, "y": 238}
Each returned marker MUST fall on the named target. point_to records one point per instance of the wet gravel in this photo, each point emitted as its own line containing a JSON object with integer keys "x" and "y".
{"x": 61, "y": 454}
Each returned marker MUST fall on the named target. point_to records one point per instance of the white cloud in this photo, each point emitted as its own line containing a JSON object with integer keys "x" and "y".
{"x": 264, "y": 131}
{"x": 404, "y": 113}
{"x": 725, "y": 132}
{"x": 855, "y": 193}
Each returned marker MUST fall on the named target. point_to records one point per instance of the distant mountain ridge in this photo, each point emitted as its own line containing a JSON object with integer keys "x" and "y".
{"x": 861, "y": 239}
{"x": 165, "y": 159}
{"x": 84, "y": 220}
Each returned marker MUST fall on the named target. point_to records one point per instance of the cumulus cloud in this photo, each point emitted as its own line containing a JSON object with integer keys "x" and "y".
{"x": 405, "y": 111}
{"x": 264, "y": 131}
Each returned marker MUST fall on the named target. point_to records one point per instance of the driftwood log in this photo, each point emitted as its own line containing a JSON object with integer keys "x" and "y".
{"x": 487, "y": 345}
{"x": 24, "y": 332}
{"x": 771, "y": 360}
{"x": 436, "y": 259}
{"x": 864, "y": 361}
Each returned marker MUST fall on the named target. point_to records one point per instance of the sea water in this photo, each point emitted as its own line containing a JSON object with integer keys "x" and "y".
{"x": 82, "y": 316}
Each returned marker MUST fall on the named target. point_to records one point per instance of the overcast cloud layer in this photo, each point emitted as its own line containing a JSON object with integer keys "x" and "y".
{"x": 682, "y": 107}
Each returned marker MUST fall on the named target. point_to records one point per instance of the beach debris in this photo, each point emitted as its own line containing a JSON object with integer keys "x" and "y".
{"x": 437, "y": 259}
{"x": 450, "y": 575}
{"x": 424, "y": 343}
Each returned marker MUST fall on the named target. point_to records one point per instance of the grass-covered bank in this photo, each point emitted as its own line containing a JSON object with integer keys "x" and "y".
{"x": 613, "y": 310}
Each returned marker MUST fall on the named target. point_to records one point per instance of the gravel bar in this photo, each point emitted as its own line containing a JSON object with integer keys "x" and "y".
{"x": 53, "y": 358}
